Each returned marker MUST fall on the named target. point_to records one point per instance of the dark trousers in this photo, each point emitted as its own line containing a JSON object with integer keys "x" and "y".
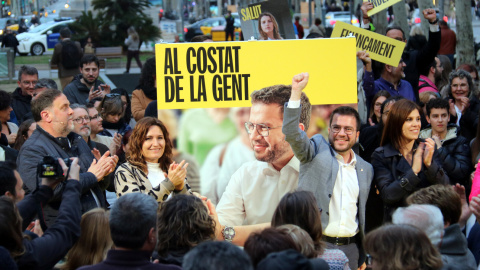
{"x": 130, "y": 55}
{"x": 231, "y": 34}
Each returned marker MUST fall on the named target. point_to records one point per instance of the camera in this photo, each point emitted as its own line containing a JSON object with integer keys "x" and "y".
{"x": 49, "y": 167}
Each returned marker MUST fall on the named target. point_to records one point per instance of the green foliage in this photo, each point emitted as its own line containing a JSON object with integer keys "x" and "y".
{"x": 114, "y": 17}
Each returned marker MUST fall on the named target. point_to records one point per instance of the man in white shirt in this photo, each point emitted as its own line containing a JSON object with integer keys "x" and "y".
{"x": 339, "y": 179}
{"x": 256, "y": 188}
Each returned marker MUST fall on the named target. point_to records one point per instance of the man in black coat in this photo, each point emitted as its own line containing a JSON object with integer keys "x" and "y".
{"x": 54, "y": 137}
{"x": 9, "y": 40}
{"x": 22, "y": 96}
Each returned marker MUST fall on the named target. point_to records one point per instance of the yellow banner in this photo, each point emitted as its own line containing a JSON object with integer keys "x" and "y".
{"x": 224, "y": 74}
{"x": 379, "y": 5}
{"x": 381, "y": 48}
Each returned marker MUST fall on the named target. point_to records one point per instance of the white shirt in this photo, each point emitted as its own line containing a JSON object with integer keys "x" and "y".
{"x": 254, "y": 191}
{"x": 155, "y": 174}
{"x": 343, "y": 208}
{"x": 2, "y": 154}
{"x": 459, "y": 115}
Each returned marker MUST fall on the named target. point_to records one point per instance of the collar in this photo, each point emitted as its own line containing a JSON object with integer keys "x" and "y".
{"x": 352, "y": 162}
{"x": 383, "y": 81}
{"x": 389, "y": 151}
{"x": 128, "y": 257}
{"x": 64, "y": 142}
{"x": 269, "y": 170}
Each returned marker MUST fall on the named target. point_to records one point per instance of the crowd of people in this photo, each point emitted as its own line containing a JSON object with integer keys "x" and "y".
{"x": 93, "y": 178}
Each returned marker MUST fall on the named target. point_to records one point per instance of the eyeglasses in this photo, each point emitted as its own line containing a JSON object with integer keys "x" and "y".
{"x": 95, "y": 117}
{"x": 368, "y": 260}
{"x": 30, "y": 82}
{"x": 347, "y": 130}
{"x": 262, "y": 129}
{"x": 81, "y": 119}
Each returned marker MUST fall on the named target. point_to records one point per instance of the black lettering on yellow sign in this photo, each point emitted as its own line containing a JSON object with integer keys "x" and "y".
{"x": 369, "y": 44}
{"x": 173, "y": 88}
{"x": 251, "y": 13}
{"x": 233, "y": 82}
{"x": 377, "y": 2}
{"x": 215, "y": 60}
{"x": 171, "y": 65}
{"x": 211, "y": 60}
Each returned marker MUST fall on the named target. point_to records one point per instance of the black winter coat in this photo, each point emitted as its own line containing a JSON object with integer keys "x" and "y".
{"x": 21, "y": 104}
{"x": 41, "y": 144}
{"x": 396, "y": 180}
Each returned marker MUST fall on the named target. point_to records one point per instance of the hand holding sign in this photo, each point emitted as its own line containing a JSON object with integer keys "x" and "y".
{"x": 365, "y": 58}
{"x": 379, "y": 5}
{"x": 299, "y": 82}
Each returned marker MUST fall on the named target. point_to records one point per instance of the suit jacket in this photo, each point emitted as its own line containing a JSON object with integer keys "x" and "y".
{"x": 319, "y": 168}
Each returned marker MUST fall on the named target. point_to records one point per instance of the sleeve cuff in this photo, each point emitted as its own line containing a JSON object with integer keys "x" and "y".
{"x": 434, "y": 27}
{"x": 293, "y": 104}
{"x": 168, "y": 184}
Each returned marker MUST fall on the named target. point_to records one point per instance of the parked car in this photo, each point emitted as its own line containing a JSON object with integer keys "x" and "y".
{"x": 41, "y": 38}
{"x": 204, "y": 27}
{"x": 343, "y": 16}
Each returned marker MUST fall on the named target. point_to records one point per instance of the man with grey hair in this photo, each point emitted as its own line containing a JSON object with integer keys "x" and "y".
{"x": 426, "y": 217}
{"x": 45, "y": 83}
{"x": 81, "y": 126}
{"x": 134, "y": 241}
{"x": 22, "y": 96}
{"x": 66, "y": 47}
{"x": 54, "y": 137}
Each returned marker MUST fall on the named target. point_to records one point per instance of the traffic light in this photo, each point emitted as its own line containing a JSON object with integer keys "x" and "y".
{"x": 3, "y": 2}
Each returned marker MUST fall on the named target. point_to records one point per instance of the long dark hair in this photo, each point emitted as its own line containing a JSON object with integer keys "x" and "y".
{"x": 148, "y": 72}
{"x": 22, "y": 133}
{"x": 300, "y": 208}
{"x": 11, "y": 236}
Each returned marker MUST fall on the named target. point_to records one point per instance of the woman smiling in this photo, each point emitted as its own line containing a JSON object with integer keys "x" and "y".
{"x": 149, "y": 168}
{"x": 404, "y": 163}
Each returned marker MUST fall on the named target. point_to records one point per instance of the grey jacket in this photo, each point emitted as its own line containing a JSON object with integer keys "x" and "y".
{"x": 41, "y": 144}
{"x": 319, "y": 168}
{"x": 77, "y": 92}
{"x": 454, "y": 249}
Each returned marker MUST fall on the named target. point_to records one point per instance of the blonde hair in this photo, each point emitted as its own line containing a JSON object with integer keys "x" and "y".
{"x": 131, "y": 32}
{"x": 94, "y": 242}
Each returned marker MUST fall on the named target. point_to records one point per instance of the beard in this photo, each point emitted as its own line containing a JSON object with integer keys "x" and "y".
{"x": 272, "y": 155}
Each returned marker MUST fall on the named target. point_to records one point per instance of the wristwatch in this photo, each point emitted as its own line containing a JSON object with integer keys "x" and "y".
{"x": 228, "y": 233}
{"x": 434, "y": 22}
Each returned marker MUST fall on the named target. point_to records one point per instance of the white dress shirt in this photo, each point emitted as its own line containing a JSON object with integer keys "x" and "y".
{"x": 254, "y": 191}
{"x": 343, "y": 221}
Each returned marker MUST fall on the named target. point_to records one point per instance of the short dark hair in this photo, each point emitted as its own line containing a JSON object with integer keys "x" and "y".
{"x": 437, "y": 103}
{"x": 216, "y": 255}
{"x": 137, "y": 207}
{"x": 297, "y": 18}
{"x": 28, "y": 70}
{"x": 396, "y": 27}
{"x": 8, "y": 181}
{"x": 47, "y": 83}
{"x": 5, "y": 100}
{"x": 442, "y": 196}
{"x": 346, "y": 110}
{"x": 260, "y": 244}
{"x": 42, "y": 101}
{"x": 89, "y": 58}
{"x": 65, "y": 32}
{"x": 318, "y": 21}
{"x": 280, "y": 94}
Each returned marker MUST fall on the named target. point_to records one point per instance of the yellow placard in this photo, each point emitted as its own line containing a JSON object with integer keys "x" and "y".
{"x": 224, "y": 74}
{"x": 379, "y": 5}
{"x": 381, "y": 48}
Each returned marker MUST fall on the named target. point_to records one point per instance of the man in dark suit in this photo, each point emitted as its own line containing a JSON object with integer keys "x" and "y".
{"x": 339, "y": 179}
